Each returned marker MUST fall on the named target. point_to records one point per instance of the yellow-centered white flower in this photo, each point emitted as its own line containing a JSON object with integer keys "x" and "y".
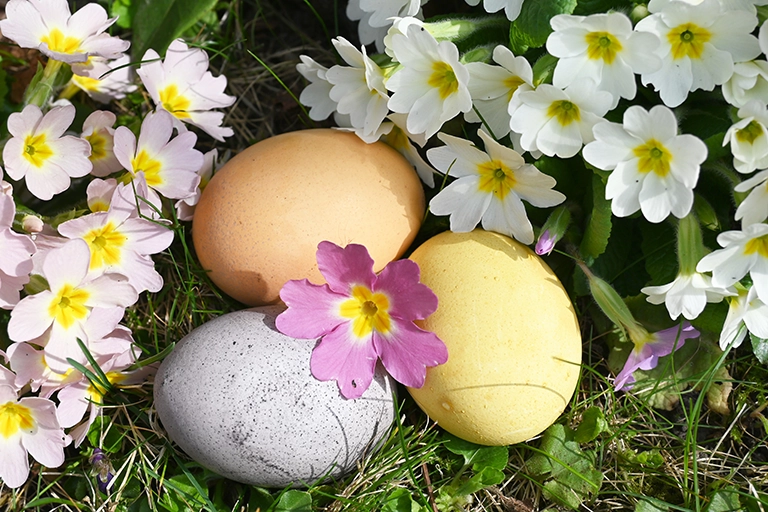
{"x": 491, "y": 187}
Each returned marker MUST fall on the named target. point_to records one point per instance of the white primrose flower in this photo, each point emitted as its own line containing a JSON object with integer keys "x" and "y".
{"x": 494, "y": 89}
{"x": 365, "y": 32}
{"x": 654, "y": 168}
{"x": 358, "y": 89}
{"x": 687, "y": 294}
{"x": 491, "y": 187}
{"x": 317, "y": 95}
{"x": 603, "y": 47}
{"x": 559, "y": 121}
{"x": 169, "y": 165}
{"x": 49, "y": 26}
{"x": 511, "y": 7}
{"x": 754, "y": 208}
{"x": 382, "y": 11}
{"x": 17, "y": 251}
{"x": 182, "y": 85}
{"x": 749, "y": 138}
{"x": 743, "y": 252}
{"x": 106, "y": 80}
{"x": 746, "y": 312}
{"x": 40, "y": 153}
{"x": 699, "y": 45}
{"x": 748, "y": 83}
{"x": 400, "y": 26}
{"x": 431, "y": 86}
{"x": 98, "y": 131}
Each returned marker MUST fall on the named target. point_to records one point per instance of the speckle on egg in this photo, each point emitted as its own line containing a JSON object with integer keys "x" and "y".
{"x": 258, "y": 416}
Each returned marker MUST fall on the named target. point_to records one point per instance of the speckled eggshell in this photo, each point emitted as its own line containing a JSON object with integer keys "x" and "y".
{"x": 260, "y": 218}
{"x": 238, "y": 397}
{"x": 514, "y": 345}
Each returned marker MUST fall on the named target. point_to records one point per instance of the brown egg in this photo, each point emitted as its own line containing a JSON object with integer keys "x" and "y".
{"x": 260, "y": 218}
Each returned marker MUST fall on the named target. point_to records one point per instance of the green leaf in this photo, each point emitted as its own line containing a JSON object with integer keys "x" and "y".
{"x": 586, "y": 7}
{"x": 260, "y": 499}
{"x": 592, "y": 424}
{"x": 294, "y": 501}
{"x": 400, "y": 500}
{"x": 102, "y": 436}
{"x": 562, "y": 495}
{"x": 724, "y": 500}
{"x": 162, "y": 21}
{"x": 599, "y": 224}
{"x": 658, "y": 251}
{"x": 123, "y": 10}
{"x": 646, "y": 505}
{"x": 531, "y": 28}
{"x": 485, "y": 478}
{"x": 480, "y": 457}
{"x": 184, "y": 495}
{"x": 760, "y": 348}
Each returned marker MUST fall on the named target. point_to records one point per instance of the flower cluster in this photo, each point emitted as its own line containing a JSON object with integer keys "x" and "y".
{"x": 68, "y": 280}
{"x": 538, "y": 101}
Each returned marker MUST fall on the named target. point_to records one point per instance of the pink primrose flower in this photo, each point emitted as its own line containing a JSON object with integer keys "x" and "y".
{"x": 17, "y": 251}
{"x": 362, "y": 317}
{"x": 646, "y": 353}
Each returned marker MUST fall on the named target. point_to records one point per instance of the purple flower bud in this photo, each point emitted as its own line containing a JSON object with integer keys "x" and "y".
{"x": 545, "y": 244}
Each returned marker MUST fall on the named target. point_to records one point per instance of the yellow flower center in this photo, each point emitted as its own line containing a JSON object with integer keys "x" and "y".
{"x": 602, "y": 45}
{"x": 175, "y": 103}
{"x": 96, "y": 391}
{"x": 368, "y": 311}
{"x": 37, "y": 150}
{"x": 98, "y": 146}
{"x": 443, "y": 79}
{"x": 105, "y": 243}
{"x": 15, "y": 417}
{"x": 688, "y": 40}
{"x": 653, "y": 157}
{"x": 757, "y": 245}
{"x": 86, "y": 83}
{"x": 513, "y": 82}
{"x": 397, "y": 138}
{"x": 750, "y": 132}
{"x": 565, "y": 111}
{"x": 68, "y": 306}
{"x": 60, "y": 43}
{"x": 149, "y": 166}
{"x": 496, "y": 178}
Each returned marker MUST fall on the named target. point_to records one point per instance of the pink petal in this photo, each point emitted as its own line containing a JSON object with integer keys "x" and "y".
{"x": 67, "y": 265}
{"x": 341, "y": 357}
{"x": 407, "y": 350}
{"x": 30, "y": 318}
{"x": 125, "y": 146}
{"x": 410, "y": 299}
{"x": 312, "y": 310}
{"x": 345, "y": 267}
{"x": 14, "y": 463}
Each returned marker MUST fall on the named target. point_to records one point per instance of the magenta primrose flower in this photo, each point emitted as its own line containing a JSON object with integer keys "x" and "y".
{"x": 646, "y": 352}
{"x": 362, "y": 317}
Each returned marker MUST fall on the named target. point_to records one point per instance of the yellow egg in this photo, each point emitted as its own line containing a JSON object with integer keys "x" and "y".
{"x": 514, "y": 346}
{"x": 260, "y": 218}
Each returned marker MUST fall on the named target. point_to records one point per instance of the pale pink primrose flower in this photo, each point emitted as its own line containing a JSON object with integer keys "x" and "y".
{"x": 16, "y": 260}
{"x": 185, "y": 208}
{"x": 49, "y": 26}
{"x": 137, "y": 199}
{"x": 99, "y": 132}
{"x": 182, "y": 85}
{"x": 363, "y": 317}
{"x": 68, "y": 303}
{"x": 743, "y": 252}
{"x": 646, "y": 352}
{"x": 28, "y": 426}
{"x": 106, "y": 80}
{"x": 169, "y": 165}
{"x": 99, "y": 194}
{"x": 40, "y": 153}
{"x": 120, "y": 243}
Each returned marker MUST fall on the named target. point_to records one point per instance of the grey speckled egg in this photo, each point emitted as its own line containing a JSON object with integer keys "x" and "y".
{"x": 238, "y": 397}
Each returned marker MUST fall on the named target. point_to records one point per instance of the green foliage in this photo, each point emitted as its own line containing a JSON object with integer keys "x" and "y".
{"x": 568, "y": 473}
{"x": 593, "y": 423}
{"x": 599, "y": 223}
{"x": 294, "y": 501}
{"x": 659, "y": 259}
{"x": 162, "y": 21}
{"x": 724, "y": 500}
{"x": 760, "y": 348}
{"x": 531, "y": 28}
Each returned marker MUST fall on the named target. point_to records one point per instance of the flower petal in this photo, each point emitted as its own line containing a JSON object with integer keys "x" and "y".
{"x": 340, "y": 356}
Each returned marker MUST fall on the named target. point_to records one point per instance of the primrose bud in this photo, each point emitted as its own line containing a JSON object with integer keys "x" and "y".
{"x": 32, "y": 224}
{"x": 553, "y": 230}
{"x": 6, "y": 188}
{"x": 690, "y": 247}
{"x": 639, "y": 12}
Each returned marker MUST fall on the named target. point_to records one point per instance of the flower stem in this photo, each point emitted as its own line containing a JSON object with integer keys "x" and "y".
{"x": 41, "y": 89}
